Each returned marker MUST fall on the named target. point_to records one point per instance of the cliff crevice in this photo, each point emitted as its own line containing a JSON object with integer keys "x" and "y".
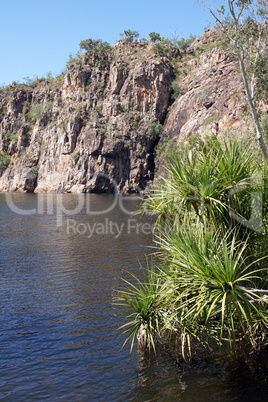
{"x": 97, "y": 126}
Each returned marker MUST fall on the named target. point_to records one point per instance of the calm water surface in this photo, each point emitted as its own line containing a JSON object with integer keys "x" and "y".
{"x": 58, "y": 336}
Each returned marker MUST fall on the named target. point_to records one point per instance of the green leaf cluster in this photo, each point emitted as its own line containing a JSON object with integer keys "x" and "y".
{"x": 183, "y": 43}
{"x": 95, "y": 45}
{"x": 154, "y": 130}
{"x": 129, "y": 35}
{"x": 208, "y": 285}
{"x": 4, "y": 161}
{"x": 154, "y": 37}
{"x": 39, "y": 110}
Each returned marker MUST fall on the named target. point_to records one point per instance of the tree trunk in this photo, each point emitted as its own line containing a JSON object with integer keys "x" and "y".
{"x": 251, "y": 105}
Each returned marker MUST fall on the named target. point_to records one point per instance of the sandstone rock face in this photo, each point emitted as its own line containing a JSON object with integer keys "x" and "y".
{"x": 212, "y": 97}
{"x": 88, "y": 130}
{"x": 91, "y": 129}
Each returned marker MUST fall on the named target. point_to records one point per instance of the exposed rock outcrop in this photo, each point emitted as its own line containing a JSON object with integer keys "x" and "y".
{"x": 211, "y": 93}
{"x": 89, "y": 129}
{"x": 96, "y": 126}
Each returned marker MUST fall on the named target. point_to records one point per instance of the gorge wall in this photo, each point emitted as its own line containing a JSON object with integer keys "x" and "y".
{"x": 97, "y": 125}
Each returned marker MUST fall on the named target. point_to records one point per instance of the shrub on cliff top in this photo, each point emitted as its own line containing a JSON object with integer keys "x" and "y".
{"x": 154, "y": 37}
{"x": 130, "y": 35}
{"x": 95, "y": 45}
{"x": 183, "y": 43}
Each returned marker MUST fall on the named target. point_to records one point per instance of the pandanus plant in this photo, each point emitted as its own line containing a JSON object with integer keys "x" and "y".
{"x": 211, "y": 234}
{"x": 143, "y": 304}
{"x": 211, "y": 286}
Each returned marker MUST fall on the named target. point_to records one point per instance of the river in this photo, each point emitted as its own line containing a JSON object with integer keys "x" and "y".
{"x": 62, "y": 260}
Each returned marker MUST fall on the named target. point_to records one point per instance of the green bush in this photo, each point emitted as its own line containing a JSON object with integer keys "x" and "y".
{"x": 154, "y": 37}
{"x": 175, "y": 90}
{"x": 162, "y": 47}
{"x": 100, "y": 86}
{"x": 26, "y": 108}
{"x": 130, "y": 35}
{"x": 210, "y": 283}
{"x": 154, "y": 130}
{"x": 167, "y": 149}
{"x": 36, "y": 111}
{"x": 40, "y": 109}
{"x": 95, "y": 45}
{"x": 166, "y": 48}
{"x": 206, "y": 47}
{"x": 34, "y": 169}
{"x": 264, "y": 123}
{"x": 4, "y": 161}
{"x": 182, "y": 43}
{"x": 211, "y": 120}
{"x": 11, "y": 138}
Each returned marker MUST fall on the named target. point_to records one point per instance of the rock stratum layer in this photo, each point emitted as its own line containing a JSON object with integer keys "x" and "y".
{"x": 97, "y": 126}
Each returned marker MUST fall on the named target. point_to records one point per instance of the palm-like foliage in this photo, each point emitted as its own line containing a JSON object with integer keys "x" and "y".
{"x": 216, "y": 184}
{"x": 212, "y": 278}
{"x": 193, "y": 184}
{"x": 144, "y": 305}
{"x": 210, "y": 282}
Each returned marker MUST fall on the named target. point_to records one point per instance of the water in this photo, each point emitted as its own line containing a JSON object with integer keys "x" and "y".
{"x": 58, "y": 337}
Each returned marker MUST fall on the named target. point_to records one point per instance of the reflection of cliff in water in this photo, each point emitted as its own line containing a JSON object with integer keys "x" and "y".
{"x": 59, "y": 336}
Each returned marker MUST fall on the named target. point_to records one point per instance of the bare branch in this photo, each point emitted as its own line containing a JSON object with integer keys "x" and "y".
{"x": 244, "y": 55}
{"x": 240, "y": 13}
{"x": 252, "y": 290}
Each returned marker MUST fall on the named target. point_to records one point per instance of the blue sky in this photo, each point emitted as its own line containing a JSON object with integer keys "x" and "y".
{"x": 37, "y": 36}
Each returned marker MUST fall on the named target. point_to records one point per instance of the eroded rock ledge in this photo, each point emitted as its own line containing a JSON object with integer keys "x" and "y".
{"x": 96, "y": 126}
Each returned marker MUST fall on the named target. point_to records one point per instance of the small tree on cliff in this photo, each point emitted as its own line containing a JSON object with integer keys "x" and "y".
{"x": 154, "y": 37}
{"x": 130, "y": 35}
{"x": 246, "y": 28}
{"x": 95, "y": 45}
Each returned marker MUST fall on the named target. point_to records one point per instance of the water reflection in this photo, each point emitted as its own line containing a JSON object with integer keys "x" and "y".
{"x": 58, "y": 334}
{"x": 59, "y": 328}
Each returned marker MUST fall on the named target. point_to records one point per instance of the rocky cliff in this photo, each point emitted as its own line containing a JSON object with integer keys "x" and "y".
{"x": 97, "y": 125}
{"x": 211, "y": 93}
